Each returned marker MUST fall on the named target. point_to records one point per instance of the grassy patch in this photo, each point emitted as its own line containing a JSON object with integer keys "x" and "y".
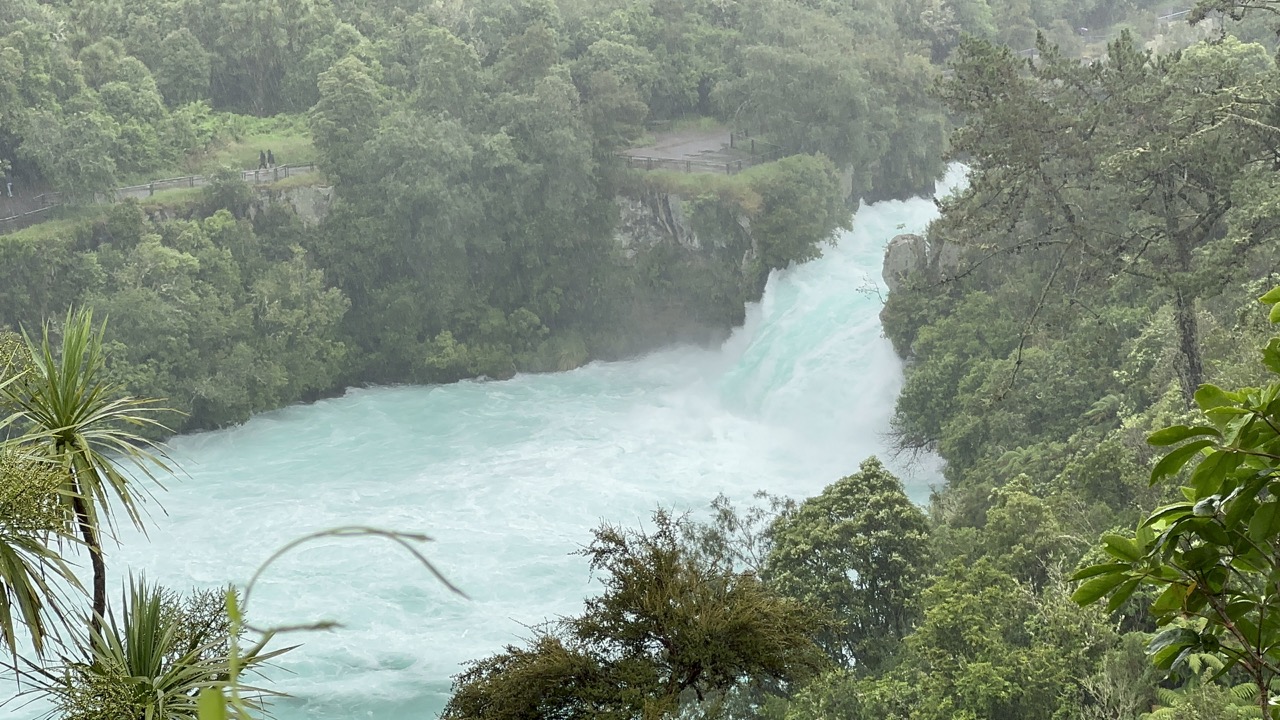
{"x": 239, "y": 139}
{"x": 737, "y": 190}
{"x": 63, "y": 221}
{"x": 173, "y": 198}
{"x": 698, "y": 123}
{"x": 242, "y": 154}
{"x": 689, "y": 123}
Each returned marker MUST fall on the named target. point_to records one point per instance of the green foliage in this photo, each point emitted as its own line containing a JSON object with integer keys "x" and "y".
{"x": 877, "y": 117}
{"x": 71, "y": 417}
{"x": 346, "y": 118}
{"x": 221, "y": 319}
{"x": 31, "y": 602}
{"x": 670, "y": 628}
{"x": 800, "y": 209}
{"x": 1114, "y": 225}
{"x": 989, "y": 647}
{"x": 473, "y": 158}
{"x": 859, "y": 549}
{"x": 153, "y": 662}
{"x": 1211, "y": 554}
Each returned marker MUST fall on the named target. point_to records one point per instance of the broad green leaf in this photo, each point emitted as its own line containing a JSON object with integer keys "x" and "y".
{"x": 1252, "y": 561}
{"x": 1248, "y": 627}
{"x": 1144, "y": 536}
{"x": 1239, "y": 609}
{"x": 1274, "y": 315}
{"x": 1170, "y": 600}
{"x": 1168, "y": 512}
{"x": 1122, "y": 594}
{"x": 1201, "y": 558}
{"x": 1243, "y": 500}
{"x": 1271, "y": 297}
{"x": 1271, "y": 356}
{"x": 1237, "y": 428}
{"x": 1094, "y": 570}
{"x": 1091, "y": 591}
{"x": 1210, "y": 474}
{"x": 1210, "y": 530}
{"x": 1265, "y": 522}
{"x": 1170, "y": 464}
{"x": 1178, "y": 433}
{"x": 1217, "y": 579}
{"x": 1211, "y": 396}
{"x": 1121, "y": 547}
{"x": 1221, "y": 416}
{"x": 1168, "y": 644}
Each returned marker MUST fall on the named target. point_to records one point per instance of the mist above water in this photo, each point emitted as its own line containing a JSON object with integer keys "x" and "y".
{"x": 510, "y": 478}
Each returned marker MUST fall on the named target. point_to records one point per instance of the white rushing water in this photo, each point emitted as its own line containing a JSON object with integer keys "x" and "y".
{"x": 510, "y": 478}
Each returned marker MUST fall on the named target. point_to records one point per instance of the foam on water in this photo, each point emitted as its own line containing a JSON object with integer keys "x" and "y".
{"x": 510, "y": 478}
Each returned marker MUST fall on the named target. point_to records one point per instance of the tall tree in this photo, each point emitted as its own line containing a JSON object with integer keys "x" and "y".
{"x": 345, "y": 119}
{"x": 861, "y": 550}
{"x": 1121, "y": 171}
{"x": 1215, "y": 554}
{"x": 669, "y": 627}
{"x": 71, "y": 417}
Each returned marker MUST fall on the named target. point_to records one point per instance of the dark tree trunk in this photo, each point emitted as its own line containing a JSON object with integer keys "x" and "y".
{"x": 1190, "y": 364}
{"x": 90, "y": 537}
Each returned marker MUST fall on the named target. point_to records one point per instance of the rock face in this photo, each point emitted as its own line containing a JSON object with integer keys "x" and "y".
{"x": 648, "y": 221}
{"x": 690, "y": 268}
{"x": 904, "y": 255}
{"x": 310, "y": 202}
{"x": 911, "y": 254}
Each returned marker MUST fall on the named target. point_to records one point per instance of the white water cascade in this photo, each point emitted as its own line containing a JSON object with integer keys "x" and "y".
{"x": 510, "y": 478}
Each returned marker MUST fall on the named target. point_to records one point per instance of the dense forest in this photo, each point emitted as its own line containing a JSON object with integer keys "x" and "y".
{"x": 472, "y": 150}
{"x": 1083, "y": 353}
{"x": 1100, "y": 306}
{"x": 475, "y": 230}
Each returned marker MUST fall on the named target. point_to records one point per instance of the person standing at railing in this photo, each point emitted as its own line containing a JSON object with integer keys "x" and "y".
{"x": 271, "y": 159}
{"x": 262, "y": 160}
{"x": 8, "y": 184}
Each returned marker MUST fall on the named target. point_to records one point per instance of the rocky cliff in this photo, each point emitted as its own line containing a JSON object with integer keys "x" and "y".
{"x": 310, "y": 203}
{"x": 911, "y": 255}
{"x": 693, "y": 266}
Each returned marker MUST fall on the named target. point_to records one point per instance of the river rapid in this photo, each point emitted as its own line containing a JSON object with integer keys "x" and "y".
{"x": 510, "y": 477}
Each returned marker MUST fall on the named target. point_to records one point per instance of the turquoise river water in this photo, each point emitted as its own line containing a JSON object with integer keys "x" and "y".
{"x": 510, "y": 478}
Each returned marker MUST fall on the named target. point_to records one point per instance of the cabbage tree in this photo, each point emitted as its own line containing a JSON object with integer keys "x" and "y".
{"x": 67, "y": 413}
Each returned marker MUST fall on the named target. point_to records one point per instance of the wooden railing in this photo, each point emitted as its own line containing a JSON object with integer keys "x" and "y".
{"x": 48, "y": 201}
{"x": 728, "y": 167}
{"x": 254, "y": 177}
{"x": 45, "y": 202}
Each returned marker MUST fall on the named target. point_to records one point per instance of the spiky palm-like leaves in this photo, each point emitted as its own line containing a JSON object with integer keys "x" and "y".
{"x": 31, "y": 595}
{"x": 152, "y": 662}
{"x": 71, "y": 416}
